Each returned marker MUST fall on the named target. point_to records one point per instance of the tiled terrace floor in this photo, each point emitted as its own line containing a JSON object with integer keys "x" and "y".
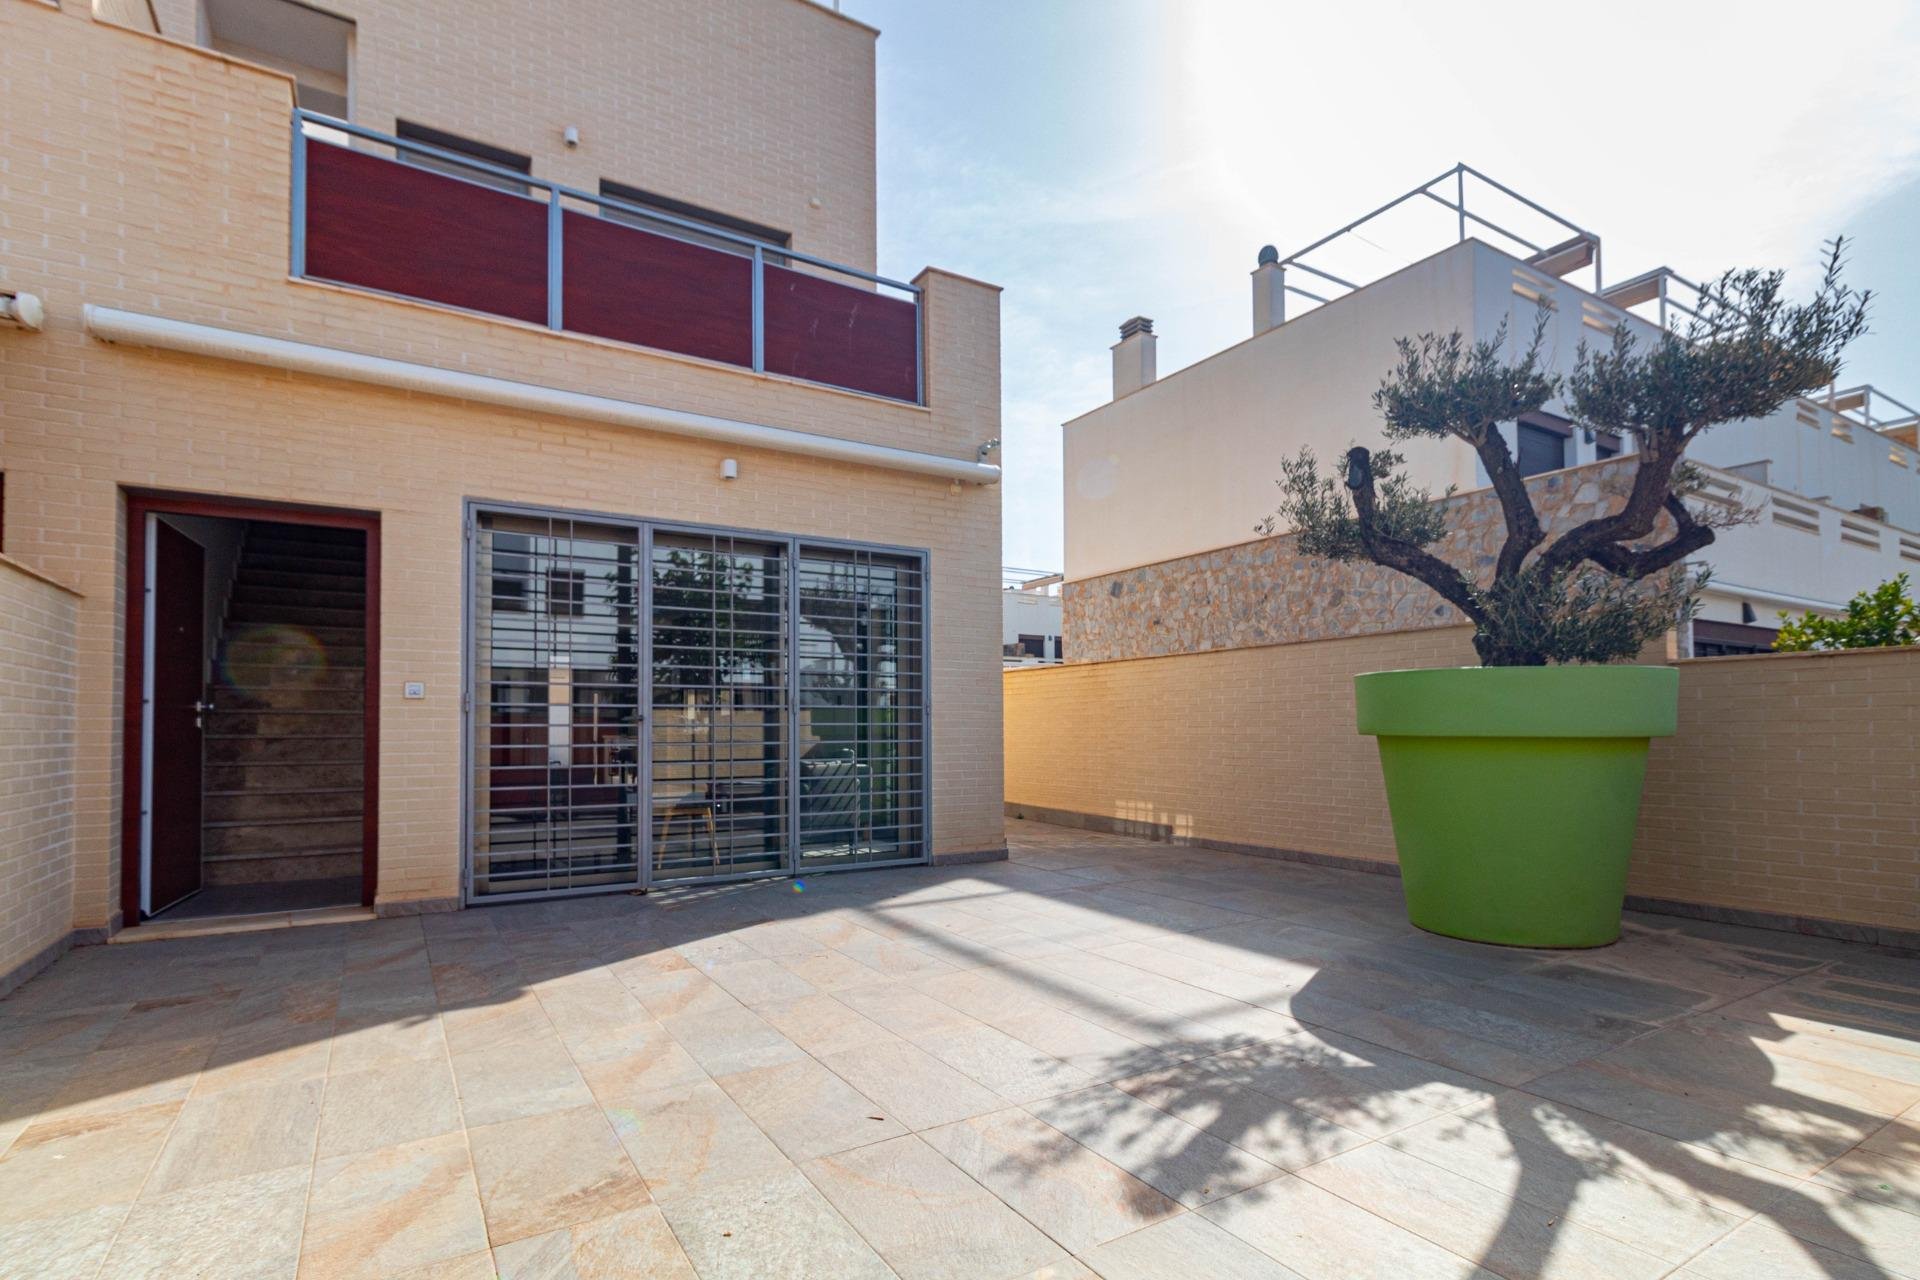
{"x": 1105, "y": 1058}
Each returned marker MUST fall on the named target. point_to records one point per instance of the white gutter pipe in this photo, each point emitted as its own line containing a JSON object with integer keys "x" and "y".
{"x": 134, "y": 329}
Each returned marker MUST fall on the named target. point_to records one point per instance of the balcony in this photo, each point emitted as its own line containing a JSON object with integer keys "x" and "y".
{"x": 367, "y": 214}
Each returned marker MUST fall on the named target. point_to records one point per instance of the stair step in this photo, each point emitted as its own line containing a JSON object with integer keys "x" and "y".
{"x": 313, "y": 864}
{"x": 248, "y": 748}
{"x": 304, "y": 597}
{"x": 282, "y": 654}
{"x": 306, "y": 617}
{"x": 256, "y": 807}
{"x": 238, "y": 776}
{"x": 289, "y": 697}
{"x": 281, "y": 835}
{"x": 295, "y": 564}
{"x": 334, "y": 578}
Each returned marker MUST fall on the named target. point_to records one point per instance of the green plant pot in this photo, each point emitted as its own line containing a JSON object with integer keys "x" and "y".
{"x": 1514, "y": 793}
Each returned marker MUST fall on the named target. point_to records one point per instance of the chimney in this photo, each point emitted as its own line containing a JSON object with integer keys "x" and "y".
{"x": 1133, "y": 357}
{"x": 1269, "y": 292}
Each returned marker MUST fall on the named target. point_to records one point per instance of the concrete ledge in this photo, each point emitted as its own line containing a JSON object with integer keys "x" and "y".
{"x": 415, "y": 907}
{"x": 1161, "y": 833}
{"x": 968, "y": 856}
{"x": 16, "y": 977}
{"x": 1813, "y": 926}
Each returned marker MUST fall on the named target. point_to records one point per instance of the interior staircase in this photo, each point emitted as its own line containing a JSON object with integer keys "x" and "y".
{"x": 284, "y": 743}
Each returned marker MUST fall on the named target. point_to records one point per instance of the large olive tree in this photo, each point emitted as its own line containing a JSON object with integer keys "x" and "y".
{"x": 1601, "y": 590}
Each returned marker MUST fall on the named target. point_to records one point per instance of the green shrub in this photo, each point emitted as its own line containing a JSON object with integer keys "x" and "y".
{"x": 1881, "y": 618}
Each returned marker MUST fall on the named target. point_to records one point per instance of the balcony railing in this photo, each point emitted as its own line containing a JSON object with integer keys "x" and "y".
{"x": 468, "y": 234}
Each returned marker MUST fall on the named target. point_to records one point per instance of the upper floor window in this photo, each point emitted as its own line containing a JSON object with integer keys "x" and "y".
{"x": 690, "y": 213}
{"x": 311, "y": 45}
{"x": 1543, "y": 444}
{"x": 498, "y": 157}
{"x": 1606, "y": 444}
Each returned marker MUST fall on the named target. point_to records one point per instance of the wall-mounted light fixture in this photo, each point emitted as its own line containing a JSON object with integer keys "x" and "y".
{"x": 729, "y": 469}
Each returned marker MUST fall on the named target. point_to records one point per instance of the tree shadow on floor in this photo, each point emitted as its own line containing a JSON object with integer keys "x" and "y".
{"x": 1521, "y": 1108}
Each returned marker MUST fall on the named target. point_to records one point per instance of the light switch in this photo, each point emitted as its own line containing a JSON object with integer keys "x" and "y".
{"x": 414, "y": 689}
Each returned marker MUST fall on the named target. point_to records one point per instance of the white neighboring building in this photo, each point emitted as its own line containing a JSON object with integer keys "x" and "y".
{"x": 1186, "y": 464}
{"x": 1029, "y": 617}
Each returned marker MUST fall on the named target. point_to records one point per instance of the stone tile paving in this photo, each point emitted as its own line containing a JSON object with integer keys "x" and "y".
{"x": 1104, "y": 1058}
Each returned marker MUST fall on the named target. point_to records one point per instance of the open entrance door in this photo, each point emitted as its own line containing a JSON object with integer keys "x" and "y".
{"x": 177, "y": 613}
{"x": 252, "y": 709}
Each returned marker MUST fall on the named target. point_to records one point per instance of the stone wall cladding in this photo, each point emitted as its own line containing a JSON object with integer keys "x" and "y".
{"x": 1266, "y": 592}
{"x": 38, "y": 687}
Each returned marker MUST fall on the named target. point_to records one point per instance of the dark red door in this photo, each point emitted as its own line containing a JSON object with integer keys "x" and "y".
{"x": 179, "y": 612}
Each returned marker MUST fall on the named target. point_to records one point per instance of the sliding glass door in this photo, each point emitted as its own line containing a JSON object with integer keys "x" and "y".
{"x": 719, "y": 773}
{"x": 556, "y": 699}
{"x": 862, "y": 706}
{"x": 654, "y": 705}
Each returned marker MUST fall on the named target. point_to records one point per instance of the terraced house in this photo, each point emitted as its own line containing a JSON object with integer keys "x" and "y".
{"x": 477, "y": 457}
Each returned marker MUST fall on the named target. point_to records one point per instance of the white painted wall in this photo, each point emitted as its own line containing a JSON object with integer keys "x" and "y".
{"x": 1029, "y": 613}
{"x": 1188, "y": 464}
{"x": 1779, "y": 563}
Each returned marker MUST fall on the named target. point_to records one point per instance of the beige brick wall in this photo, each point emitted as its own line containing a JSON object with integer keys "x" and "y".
{"x": 1792, "y": 788}
{"x": 756, "y": 108}
{"x": 38, "y": 681}
{"x": 142, "y": 174}
{"x": 1246, "y": 746}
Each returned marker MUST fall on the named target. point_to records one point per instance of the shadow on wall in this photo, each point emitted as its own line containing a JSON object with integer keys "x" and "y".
{"x": 1285, "y": 1013}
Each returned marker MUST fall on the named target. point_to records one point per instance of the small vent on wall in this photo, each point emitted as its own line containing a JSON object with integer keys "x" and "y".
{"x": 1910, "y": 549}
{"x": 1809, "y": 418}
{"x": 1841, "y": 431}
{"x": 1859, "y": 533}
{"x": 1896, "y": 457}
{"x": 1795, "y": 516}
{"x": 1595, "y": 316}
{"x": 1534, "y": 288}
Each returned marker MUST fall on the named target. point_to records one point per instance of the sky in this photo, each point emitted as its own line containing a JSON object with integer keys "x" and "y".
{"x": 1101, "y": 159}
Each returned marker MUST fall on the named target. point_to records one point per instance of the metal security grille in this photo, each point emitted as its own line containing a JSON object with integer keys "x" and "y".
{"x": 719, "y": 774}
{"x": 862, "y": 700}
{"x": 652, "y": 704}
{"x": 557, "y": 697}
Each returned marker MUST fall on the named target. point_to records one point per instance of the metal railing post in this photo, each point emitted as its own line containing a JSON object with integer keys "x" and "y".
{"x": 297, "y": 202}
{"x": 1460, "y": 199}
{"x": 1283, "y": 295}
{"x": 759, "y": 310}
{"x": 920, "y": 346}
{"x": 556, "y": 261}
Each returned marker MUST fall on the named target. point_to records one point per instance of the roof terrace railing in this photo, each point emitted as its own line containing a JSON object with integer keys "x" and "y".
{"x": 1465, "y": 192}
{"x": 437, "y": 226}
{"x": 1675, "y": 302}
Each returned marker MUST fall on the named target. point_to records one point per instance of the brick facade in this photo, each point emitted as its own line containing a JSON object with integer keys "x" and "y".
{"x": 144, "y": 174}
{"x": 1787, "y": 798}
{"x": 38, "y": 680}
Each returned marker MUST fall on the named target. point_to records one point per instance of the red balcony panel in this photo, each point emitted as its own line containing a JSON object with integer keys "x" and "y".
{"x": 382, "y": 224}
{"x": 655, "y": 291}
{"x": 829, "y": 332}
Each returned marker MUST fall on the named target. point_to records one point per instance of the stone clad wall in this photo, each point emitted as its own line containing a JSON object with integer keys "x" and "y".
{"x": 1266, "y": 592}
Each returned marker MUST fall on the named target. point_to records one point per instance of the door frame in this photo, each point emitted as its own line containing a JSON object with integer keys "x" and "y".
{"x": 646, "y": 527}
{"x": 141, "y": 503}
